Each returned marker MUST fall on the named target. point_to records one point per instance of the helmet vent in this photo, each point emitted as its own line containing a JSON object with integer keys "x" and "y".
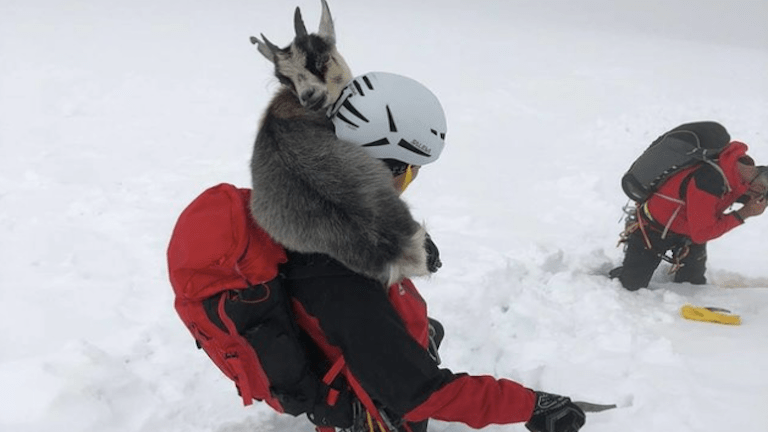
{"x": 351, "y": 108}
{"x": 359, "y": 88}
{"x": 377, "y": 143}
{"x": 341, "y": 117}
{"x": 368, "y": 82}
{"x": 392, "y": 126}
{"x": 441, "y": 135}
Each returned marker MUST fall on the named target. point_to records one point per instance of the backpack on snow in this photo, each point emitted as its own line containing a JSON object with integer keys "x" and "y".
{"x": 678, "y": 149}
{"x": 224, "y": 270}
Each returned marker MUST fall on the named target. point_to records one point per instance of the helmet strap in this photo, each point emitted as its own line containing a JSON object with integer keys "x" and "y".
{"x": 408, "y": 178}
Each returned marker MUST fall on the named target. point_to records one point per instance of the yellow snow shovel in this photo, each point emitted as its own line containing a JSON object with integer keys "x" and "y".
{"x": 710, "y": 314}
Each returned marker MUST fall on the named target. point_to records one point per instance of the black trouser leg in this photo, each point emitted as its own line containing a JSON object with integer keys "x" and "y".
{"x": 639, "y": 263}
{"x": 694, "y": 266}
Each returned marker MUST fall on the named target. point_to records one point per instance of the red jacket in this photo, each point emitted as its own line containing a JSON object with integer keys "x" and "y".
{"x": 701, "y": 214}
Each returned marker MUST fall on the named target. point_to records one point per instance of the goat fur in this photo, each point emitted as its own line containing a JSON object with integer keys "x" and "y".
{"x": 315, "y": 193}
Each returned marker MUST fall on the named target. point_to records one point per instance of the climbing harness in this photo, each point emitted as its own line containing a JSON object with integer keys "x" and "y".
{"x": 638, "y": 217}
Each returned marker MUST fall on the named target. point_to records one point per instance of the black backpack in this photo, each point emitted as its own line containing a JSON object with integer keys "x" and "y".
{"x": 682, "y": 147}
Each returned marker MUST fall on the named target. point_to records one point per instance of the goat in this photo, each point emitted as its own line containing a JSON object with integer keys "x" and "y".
{"x": 315, "y": 193}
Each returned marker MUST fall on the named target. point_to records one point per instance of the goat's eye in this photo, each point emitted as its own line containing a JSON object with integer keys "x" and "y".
{"x": 284, "y": 80}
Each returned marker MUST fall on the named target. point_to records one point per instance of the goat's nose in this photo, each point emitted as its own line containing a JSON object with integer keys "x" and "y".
{"x": 307, "y": 95}
{"x": 313, "y": 99}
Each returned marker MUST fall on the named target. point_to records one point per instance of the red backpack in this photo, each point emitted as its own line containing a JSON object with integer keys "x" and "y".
{"x": 224, "y": 270}
{"x": 208, "y": 256}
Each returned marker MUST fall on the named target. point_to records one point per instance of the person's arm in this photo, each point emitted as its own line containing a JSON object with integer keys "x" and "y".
{"x": 704, "y": 221}
{"x": 477, "y": 401}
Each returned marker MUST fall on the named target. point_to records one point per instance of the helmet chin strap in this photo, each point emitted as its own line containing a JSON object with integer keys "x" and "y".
{"x": 408, "y": 178}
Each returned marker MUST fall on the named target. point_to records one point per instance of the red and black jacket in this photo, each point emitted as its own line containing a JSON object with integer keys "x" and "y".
{"x": 693, "y": 202}
{"x": 382, "y": 337}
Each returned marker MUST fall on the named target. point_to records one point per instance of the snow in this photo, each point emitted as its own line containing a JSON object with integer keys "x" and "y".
{"x": 115, "y": 115}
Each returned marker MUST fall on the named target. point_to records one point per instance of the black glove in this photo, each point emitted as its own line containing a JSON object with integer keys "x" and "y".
{"x": 433, "y": 255}
{"x": 554, "y": 413}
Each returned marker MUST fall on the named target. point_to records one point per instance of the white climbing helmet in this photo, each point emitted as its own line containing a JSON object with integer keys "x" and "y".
{"x": 392, "y": 117}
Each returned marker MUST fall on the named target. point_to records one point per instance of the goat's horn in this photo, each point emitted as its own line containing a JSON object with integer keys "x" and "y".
{"x": 298, "y": 23}
{"x": 326, "y": 24}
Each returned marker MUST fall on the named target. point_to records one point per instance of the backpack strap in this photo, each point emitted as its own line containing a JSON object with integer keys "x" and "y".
{"x": 244, "y": 385}
{"x": 717, "y": 168}
{"x": 330, "y": 376}
{"x": 665, "y": 228}
{"x": 683, "y": 191}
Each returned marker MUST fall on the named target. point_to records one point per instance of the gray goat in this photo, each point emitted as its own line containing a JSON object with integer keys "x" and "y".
{"x": 313, "y": 192}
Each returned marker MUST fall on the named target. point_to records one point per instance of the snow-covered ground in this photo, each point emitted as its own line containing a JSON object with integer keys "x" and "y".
{"x": 115, "y": 115}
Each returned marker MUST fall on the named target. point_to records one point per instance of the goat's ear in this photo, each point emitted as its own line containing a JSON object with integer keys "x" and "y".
{"x": 326, "y": 24}
{"x": 266, "y": 48}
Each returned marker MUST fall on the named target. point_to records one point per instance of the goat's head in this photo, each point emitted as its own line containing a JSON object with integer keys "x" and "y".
{"x": 310, "y": 66}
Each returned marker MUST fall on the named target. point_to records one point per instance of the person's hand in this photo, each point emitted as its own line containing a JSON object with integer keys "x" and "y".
{"x": 555, "y": 413}
{"x": 755, "y": 207}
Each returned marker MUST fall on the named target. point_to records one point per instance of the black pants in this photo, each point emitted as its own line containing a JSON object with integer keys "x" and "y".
{"x": 640, "y": 262}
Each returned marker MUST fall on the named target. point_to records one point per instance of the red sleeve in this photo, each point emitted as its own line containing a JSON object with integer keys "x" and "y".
{"x": 705, "y": 221}
{"x": 477, "y": 401}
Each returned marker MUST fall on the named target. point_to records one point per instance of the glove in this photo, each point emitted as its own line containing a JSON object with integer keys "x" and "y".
{"x": 554, "y": 413}
{"x": 433, "y": 255}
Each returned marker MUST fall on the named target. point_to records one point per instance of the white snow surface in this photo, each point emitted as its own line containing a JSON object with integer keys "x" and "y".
{"x": 114, "y": 115}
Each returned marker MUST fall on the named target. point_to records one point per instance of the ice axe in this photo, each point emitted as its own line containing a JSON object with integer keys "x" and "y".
{"x": 593, "y": 407}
